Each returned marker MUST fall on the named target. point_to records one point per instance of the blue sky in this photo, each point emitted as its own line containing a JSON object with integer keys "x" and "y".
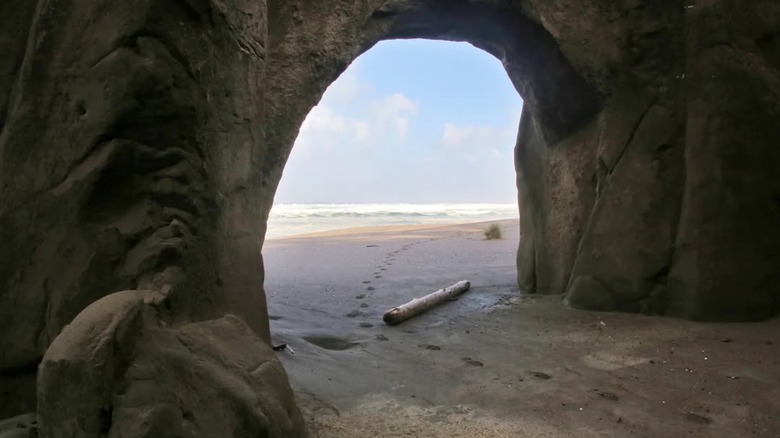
{"x": 411, "y": 121}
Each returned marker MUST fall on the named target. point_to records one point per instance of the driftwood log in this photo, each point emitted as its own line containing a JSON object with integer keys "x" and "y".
{"x": 417, "y": 306}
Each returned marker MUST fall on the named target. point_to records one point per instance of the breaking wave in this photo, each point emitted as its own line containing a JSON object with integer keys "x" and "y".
{"x": 292, "y": 219}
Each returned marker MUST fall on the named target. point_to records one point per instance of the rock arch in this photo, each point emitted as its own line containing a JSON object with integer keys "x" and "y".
{"x": 612, "y": 92}
{"x": 142, "y": 142}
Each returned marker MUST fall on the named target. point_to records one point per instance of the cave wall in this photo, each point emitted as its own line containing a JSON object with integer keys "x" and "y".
{"x": 132, "y": 136}
{"x": 684, "y": 221}
{"x": 142, "y": 143}
{"x": 726, "y": 259}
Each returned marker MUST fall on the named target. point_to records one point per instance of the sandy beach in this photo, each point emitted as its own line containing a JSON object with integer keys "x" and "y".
{"x": 496, "y": 363}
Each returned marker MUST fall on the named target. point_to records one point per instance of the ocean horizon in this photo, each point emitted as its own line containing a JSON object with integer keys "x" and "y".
{"x": 294, "y": 219}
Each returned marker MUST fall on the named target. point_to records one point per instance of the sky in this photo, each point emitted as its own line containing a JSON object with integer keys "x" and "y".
{"x": 410, "y": 121}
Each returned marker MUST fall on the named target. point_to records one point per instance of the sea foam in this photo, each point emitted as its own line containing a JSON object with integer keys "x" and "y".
{"x": 293, "y": 219}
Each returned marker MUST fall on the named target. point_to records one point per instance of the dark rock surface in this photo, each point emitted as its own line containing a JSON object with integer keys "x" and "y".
{"x": 590, "y": 293}
{"x": 129, "y": 159}
{"x": 142, "y": 143}
{"x": 117, "y": 370}
{"x": 667, "y": 196}
{"x": 20, "y": 426}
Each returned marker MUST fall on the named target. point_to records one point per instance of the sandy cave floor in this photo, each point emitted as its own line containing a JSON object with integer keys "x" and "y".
{"x": 496, "y": 363}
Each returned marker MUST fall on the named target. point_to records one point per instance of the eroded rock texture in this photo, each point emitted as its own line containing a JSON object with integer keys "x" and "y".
{"x": 130, "y": 158}
{"x": 118, "y": 371}
{"x": 680, "y": 214}
{"x": 142, "y": 142}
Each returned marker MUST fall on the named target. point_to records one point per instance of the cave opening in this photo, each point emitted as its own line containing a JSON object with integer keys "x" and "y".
{"x": 394, "y": 177}
{"x": 415, "y": 133}
{"x": 416, "y": 122}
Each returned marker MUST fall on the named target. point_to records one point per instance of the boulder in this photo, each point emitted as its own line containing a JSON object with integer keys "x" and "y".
{"x": 118, "y": 370}
{"x": 587, "y": 292}
{"x": 20, "y": 426}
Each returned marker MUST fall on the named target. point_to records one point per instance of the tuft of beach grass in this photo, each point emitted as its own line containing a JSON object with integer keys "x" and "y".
{"x": 493, "y": 232}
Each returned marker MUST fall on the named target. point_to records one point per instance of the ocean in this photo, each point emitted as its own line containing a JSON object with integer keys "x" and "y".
{"x": 293, "y": 219}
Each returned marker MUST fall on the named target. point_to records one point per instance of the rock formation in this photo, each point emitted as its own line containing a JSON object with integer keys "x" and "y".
{"x": 118, "y": 366}
{"x": 141, "y": 144}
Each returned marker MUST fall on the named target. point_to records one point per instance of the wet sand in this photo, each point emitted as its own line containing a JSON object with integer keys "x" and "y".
{"x": 496, "y": 363}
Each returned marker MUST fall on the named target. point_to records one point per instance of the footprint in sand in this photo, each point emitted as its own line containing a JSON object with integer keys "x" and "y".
{"x": 364, "y": 305}
{"x": 353, "y": 314}
{"x": 607, "y": 395}
{"x": 430, "y": 347}
{"x": 540, "y": 375}
{"x": 370, "y": 288}
{"x": 366, "y": 324}
{"x": 377, "y": 276}
{"x": 608, "y": 361}
{"x": 472, "y": 362}
{"x": 360, "y": 297}
{"x": 367, "y": 281}
{"x": 696, "y": 418}
{"x": 330, "y": 342}
{"x": 383, "y": 269}
{"x": 381, "y": 338}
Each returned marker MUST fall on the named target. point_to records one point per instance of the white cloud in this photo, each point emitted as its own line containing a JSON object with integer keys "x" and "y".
{"x": 362, "y": 132}
{"x": 386, "y": 118}
{"x": 352, "y": 145}
{"x": 347, "y": 88}
{"x": 393, "y": 112}
{"x": 323, "y": 119}
{"x": 496, "y": 137}
{"x": 396, "y": 103}
{"x": 402, "y": 127}
{"x": 469, "y": 135}
{"x": 323, "y": 127}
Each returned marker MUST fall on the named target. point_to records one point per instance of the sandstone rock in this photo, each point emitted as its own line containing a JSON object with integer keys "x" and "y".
{"x": 85, "y": 366}
{"x": 726, "y": 259}
{"x": 641, "y": 190}
{"x": 121, "y": 122}
{"x": 118, "y": 370}
{"x": 20, "y": 426}
{"x": 530, "y": 153}
{"x": 590, "y": 293}
{"x": 17, "y": 390}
